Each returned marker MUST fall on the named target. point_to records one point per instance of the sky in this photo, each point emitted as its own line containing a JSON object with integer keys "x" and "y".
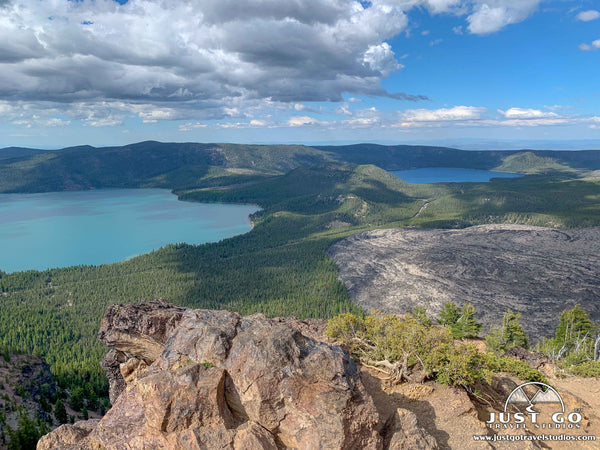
{"x": 106, "y": 72}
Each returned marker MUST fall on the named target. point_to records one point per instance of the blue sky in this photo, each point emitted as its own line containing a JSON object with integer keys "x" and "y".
{"x": 318, "y": 71}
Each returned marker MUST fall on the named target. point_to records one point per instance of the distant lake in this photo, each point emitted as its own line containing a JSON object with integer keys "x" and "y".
{"x": 58, "y": 229}
{"x": 449, "y": 175}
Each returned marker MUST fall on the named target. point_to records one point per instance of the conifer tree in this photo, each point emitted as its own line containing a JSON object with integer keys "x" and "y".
{"x": 462, "y": 322}
{"x": 509, "y": 336}
{"x": 60, "y": 412}
{"x": 467, "y": 326}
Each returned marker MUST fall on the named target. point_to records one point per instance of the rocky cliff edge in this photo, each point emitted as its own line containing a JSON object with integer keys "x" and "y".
{"x": 203, "y": 379}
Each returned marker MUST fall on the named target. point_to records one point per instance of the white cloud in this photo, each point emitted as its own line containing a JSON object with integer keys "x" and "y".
{"x": 192, "y": 126}
{"x": 473, "y": 116}
{"x": 101, "y": 63}
{"x": 457, "y": 29}
{"x": 522, "y": 113}
{"x": 258, "y": 123}
{"x": 197, "y": 60}
{"x": 104, "y": 122}
{"x": 586, "y": 16}
{"x": 444, "y": 6}
{"x": 435, "y": 42}
{"x": 595, "y": 122}
{"x": 457, "y": 113}
{"x": 532, "y": 122}
{"x": 299, "y": 121}
{"x": 56, "y": 122}
{"x": 363, "y": 122}
{"x": 380, "y": 58}
{"x": 595, "y": 45}
{"x": 154, "y": 115}
{"x": 355, "y": 100}
{"x": 5, "y": 108}
{"x": 344, "y": 108}
{"x": 231, "y": 112}
{"x": 490, "y": 16}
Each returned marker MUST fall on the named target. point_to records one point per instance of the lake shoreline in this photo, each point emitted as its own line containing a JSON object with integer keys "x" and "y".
{"x": 103, "y": 226}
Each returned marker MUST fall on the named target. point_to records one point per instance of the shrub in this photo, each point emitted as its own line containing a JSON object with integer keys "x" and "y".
{"x": 520, "y": 369}
{"x": 398, "y": 346}
{"x": 587, "y": 369}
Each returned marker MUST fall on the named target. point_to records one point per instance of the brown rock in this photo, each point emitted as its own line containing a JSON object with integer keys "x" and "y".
{"x": 252, "y": 436}
{"x": 408, "y": 435}
{"x": 138, "y": 331}
{"x": 68, "y": 436}
{"x": 112, "y": 367}
{"x": 131, "y": 369}
{"x": 214, "y": 379}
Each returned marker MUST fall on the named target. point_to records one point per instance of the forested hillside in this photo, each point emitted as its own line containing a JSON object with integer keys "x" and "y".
{"x": 398, "y": 157}
{"x": 18, "y": 152}
{"x": 187, "y": 165}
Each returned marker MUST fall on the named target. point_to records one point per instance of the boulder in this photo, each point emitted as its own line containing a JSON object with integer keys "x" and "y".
{"x": 196, "y": 379}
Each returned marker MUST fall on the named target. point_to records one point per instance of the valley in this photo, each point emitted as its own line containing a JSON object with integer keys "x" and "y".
{"x": 309, "y": 200}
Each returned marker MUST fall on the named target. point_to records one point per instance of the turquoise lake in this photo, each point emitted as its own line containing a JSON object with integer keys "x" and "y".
{"x": 59, "y": 229}
{"x": 449, "y": 174}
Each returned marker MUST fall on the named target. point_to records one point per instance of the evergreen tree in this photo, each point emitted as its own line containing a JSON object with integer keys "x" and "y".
{"x": 77, "y": 395}
{"x": 462, "y": 322}
{"x": 60, "y": 412}
{"x": 449, "y": 314}
{"x": 25, "y": 437}
{"x": 467, "y": 326}
{"x": 575, "y": 324}
{"x": 513, "y": 334}
{"x": 510, "y": 335}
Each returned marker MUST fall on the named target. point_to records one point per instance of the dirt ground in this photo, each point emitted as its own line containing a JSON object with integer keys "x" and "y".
{"x": 453, "y": 417}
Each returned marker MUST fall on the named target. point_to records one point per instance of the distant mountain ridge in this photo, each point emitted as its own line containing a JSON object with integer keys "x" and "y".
{"x": 19, "y": 152}
{"x": 197, "y": 165}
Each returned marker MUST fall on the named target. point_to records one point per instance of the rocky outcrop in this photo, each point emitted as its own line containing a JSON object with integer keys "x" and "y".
{"x": 536, "y": 271}
{"x": 202, "y": 379}
{"x": 26, "y": 386}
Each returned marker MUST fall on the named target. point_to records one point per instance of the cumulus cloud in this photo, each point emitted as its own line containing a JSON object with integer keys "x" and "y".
{"x": 595, "y": 45}
{"x": 444, "y": 6}
{"x": 189, "y": 126}
{"x": 363, "y": 122}
{"x": 458, "y": 113}
{"x": 525, "y": 113}
{"x": 529, "y": 117}
{"x": 298, "y": 121}
{"x": 586, "y": 16}
{"x": 489, "y": 16}
{"x": 478, "y": 116}
{"x": 100, "y": 62}
{"x": 215, "y": 54}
